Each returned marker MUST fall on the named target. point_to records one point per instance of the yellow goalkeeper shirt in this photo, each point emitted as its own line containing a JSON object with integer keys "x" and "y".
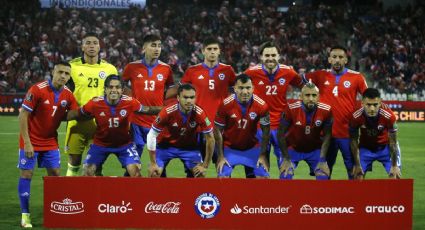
{"x": 89, "y": 78}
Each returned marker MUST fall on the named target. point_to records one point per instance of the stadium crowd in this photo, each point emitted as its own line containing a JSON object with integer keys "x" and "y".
{"x": 34, "y": 40}
{"x": 395, "y": 60}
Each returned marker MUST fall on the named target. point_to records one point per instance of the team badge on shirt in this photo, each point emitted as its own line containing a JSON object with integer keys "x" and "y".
{"x": 192, "y": 124}
{"x": 347, "y": 84}
{"x": 318, "y": 123}
{"x": 64, "y": 103}
{"x": 207, "y": 205}
{"x": 28, "y": 97}
{"x": 221, "y": 76}
{"x": 123, "y": 112}
{"x": 252, "y": 115}
{"x": 380, "y": 127}
{"x": 160, "y": 77}
{"x": 102, "y": 74}
{"x": 282, "y": 81}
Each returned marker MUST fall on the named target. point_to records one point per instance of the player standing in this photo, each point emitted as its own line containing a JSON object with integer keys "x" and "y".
{"x": 176, "y": 128}
{"x": 88, "y": 74}
{"x": 150, "y": 80}
{"x": 378, "y": 136}
{"x": 271, "y": 80}
{"x": 305, "y": 133}
{"x": 236, "y": 128}
{"x": 339, "y": 87}
{"x": 43, "y": 109}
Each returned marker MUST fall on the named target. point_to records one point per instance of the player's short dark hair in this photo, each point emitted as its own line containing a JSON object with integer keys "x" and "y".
{"x": 243, "y": 78}
{"x": 91, "y": 34}
{"x": 64, "y": 63}
{"x": 338, "y": 47}
{"x": 268, "y": 44}
{"x": 110, "y": 78}
{"x": 185, "y": 87}
{"x": 210, "y": 41}
{"x": 151, "y": 38}
{"x": 371, "y": 93}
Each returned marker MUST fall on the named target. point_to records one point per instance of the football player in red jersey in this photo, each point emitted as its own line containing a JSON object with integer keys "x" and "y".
{"x": 150, "y": 80}
{"x": 112, "y": 114}
{"x": 378, "y": 136}
{"x": 176, "y": 128}
{"x": 271, "y": 80}
{"x": 305, "y": 134}
{"x": 212, "y": 81}
{"x": 339, "y": 87}
{"x": 43, "y": 109}
{"x": 235, "y": 130}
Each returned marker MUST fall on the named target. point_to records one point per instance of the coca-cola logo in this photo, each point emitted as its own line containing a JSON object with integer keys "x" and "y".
{"x": 170, "y": 207}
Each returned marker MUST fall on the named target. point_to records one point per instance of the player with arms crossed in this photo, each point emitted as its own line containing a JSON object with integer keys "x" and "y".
{"x": 150, "y": 79}
{"x": 271, "y": 80}
{"x": 43, "y": 109}
{"x": 235, "y": 129}
{"x": 176, "y": 128}
{"x": 88, "y": 74}
{"x": 111, "y": 114}
{"x": 378, "y": 136}
{"x": 305, "y": 133}
{"x": 211, "y": 79}
{"x": 339, "y": 88}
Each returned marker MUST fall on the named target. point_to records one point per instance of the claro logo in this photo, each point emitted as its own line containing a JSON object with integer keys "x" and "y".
{"x": 111, "y": 208}
{"x": 67, "y": 207}
{"x": 307, "y": 209}
{"x": 384, "y": 209}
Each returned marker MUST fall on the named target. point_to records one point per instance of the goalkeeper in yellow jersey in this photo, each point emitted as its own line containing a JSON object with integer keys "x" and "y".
{"x": 88, "y": 74}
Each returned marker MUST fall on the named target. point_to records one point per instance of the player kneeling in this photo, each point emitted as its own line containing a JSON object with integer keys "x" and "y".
{"x": 236, "y": 128}
{"x": 304, "y": 134}
{"x": 177, "y": 127}
{"x": 378, "y": 136}
{"x": 111, "y": 113}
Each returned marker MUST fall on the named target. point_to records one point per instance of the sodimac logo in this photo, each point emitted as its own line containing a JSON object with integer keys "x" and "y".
{"x": 67, "y": 206}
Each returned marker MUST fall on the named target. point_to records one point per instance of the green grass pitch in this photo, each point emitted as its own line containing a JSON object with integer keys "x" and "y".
{"x": 410, "y": 137}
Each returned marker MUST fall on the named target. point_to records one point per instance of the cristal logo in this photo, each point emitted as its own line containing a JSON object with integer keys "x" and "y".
{"x": 67, "y": 207}
{"x": 236, "y": 209}
{"x": 169, "y": 207}
{"x": 385, "y": 209}
{"x": 110, "y": 208}
{"x": 259, "y": 210}
{"x": 307, "y": 209}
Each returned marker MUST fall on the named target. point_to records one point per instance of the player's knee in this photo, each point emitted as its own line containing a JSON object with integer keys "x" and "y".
{"x": 89, "y": 169}
{"x": 75, "y": 159}
{"x": 26, "y": 174}
{"x": 53, "y": 172}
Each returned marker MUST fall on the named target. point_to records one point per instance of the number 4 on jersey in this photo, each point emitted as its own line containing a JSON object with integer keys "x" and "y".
{"x": 335, "y": 91}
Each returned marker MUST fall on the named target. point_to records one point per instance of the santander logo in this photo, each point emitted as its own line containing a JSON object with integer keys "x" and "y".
{"x": 236, "y": 210}
{"x": 170, "y": 207}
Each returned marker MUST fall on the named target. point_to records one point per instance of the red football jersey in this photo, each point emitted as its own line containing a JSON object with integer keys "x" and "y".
{"x": 339, "y": 91}
{"x": 180, "y": 130}
{"x": 274, "y": 91}
{"x": 211, "y": 85}
{"x": 48, "y": 108}
{"x": 148, "y": 85}
{"x": 305, "y": 129}
{"x": 113, "y": 125}
{"x": 373, "y": 131}
{"x": 240, "y": 122}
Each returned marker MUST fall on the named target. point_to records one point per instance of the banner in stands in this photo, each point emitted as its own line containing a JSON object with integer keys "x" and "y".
{"x": 100, "y": 4}
{"x": 113, "y": 202}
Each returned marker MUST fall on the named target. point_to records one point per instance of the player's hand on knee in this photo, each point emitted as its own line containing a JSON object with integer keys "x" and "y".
{"x": 322, "y": 169}
{"x": 286, "y": 168}
{"x": 395, "y": 172}
{"x": 357, "y": 172}
{"x": 199, "y": 170}
{"x": 29, "y": 150}
{"x": 262, "y": 161}
{"x": 154, "y": 170}
{"x": 220, "y": 163}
